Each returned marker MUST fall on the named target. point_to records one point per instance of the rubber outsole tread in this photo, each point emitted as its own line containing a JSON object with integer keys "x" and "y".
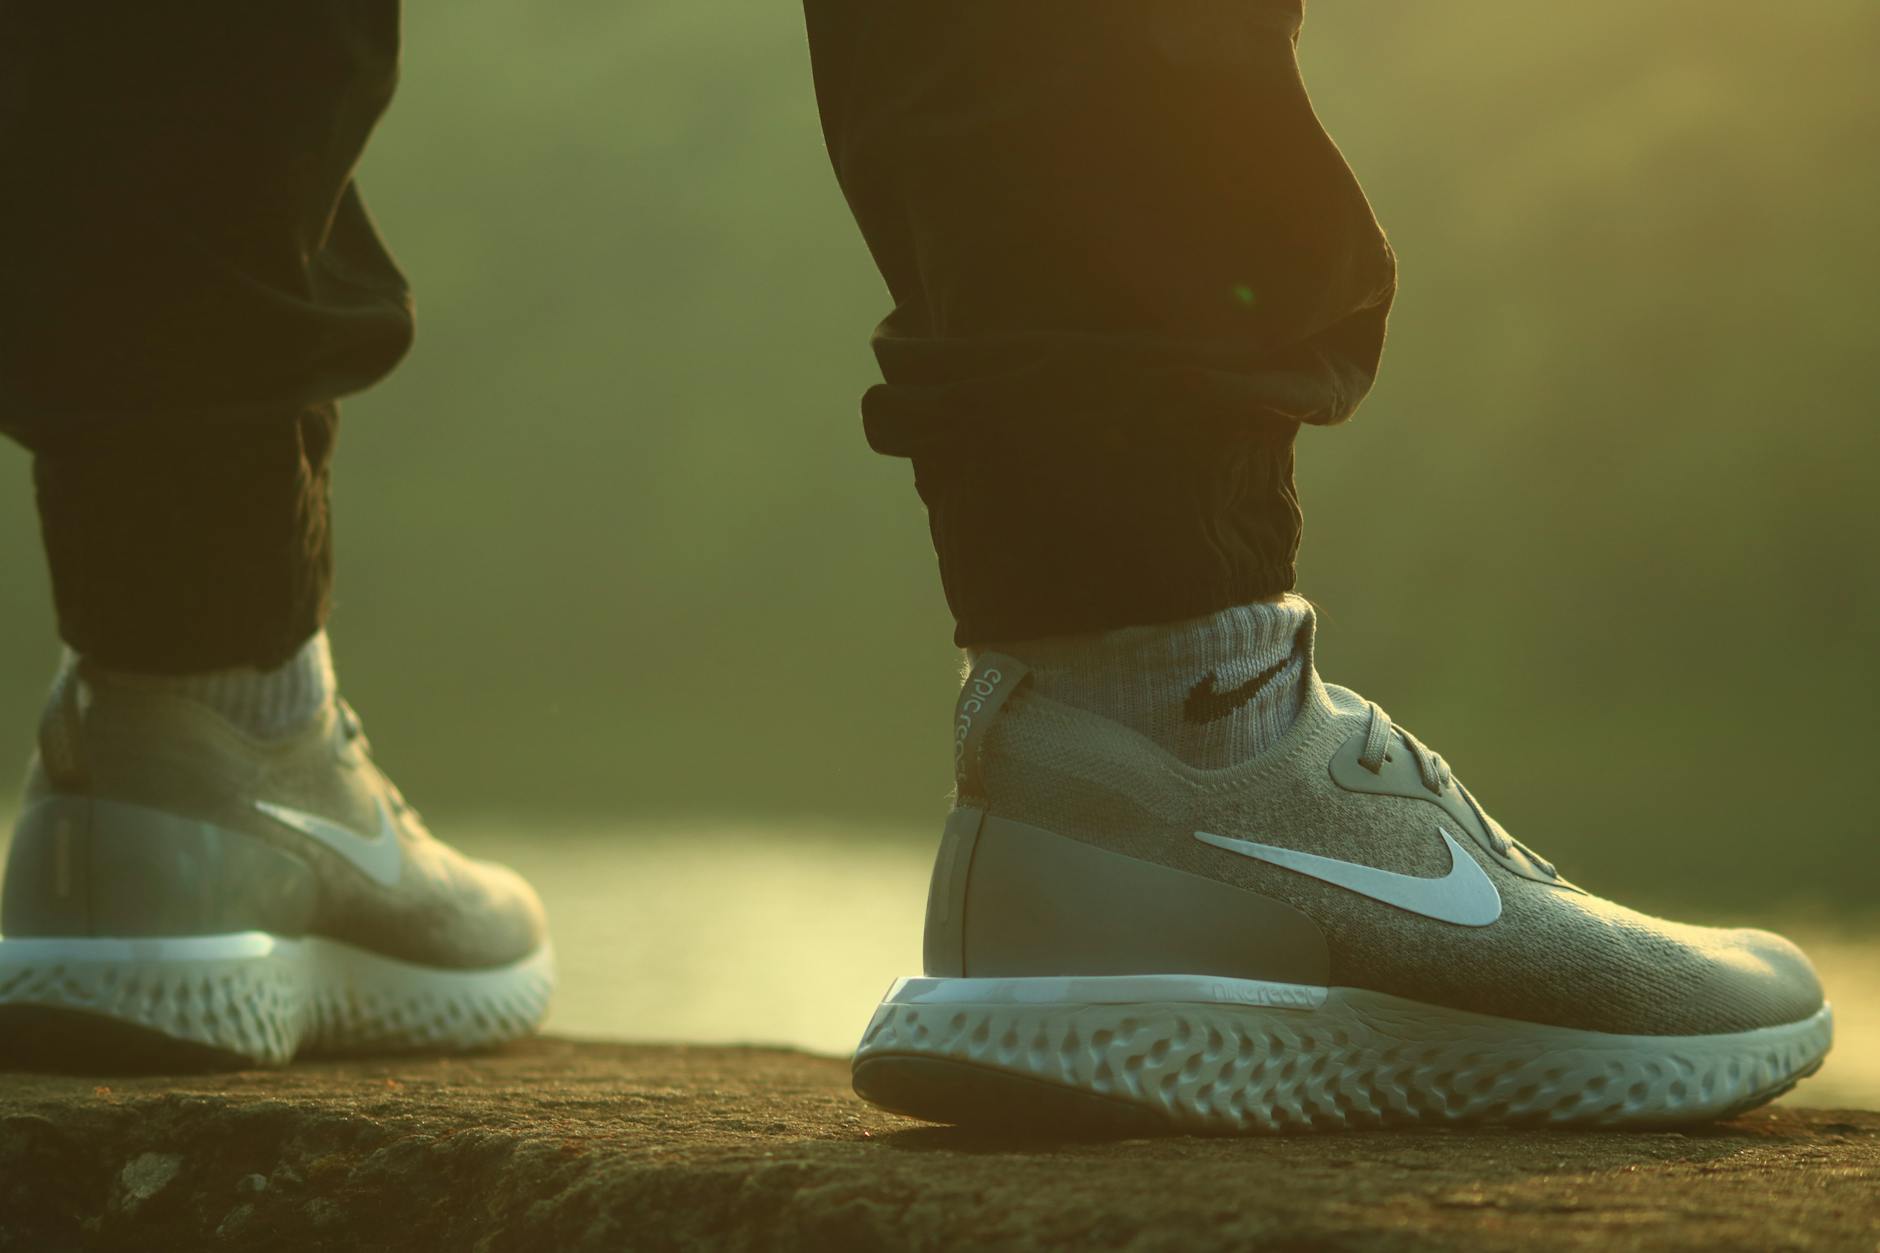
{"x": 262, "y": 1002}
{"x": 1364, "y": 1061}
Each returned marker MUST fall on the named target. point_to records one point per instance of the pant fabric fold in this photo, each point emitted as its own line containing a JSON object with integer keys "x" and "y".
{"x": 188, "y": 280}
{"x": 1126, "y": 264}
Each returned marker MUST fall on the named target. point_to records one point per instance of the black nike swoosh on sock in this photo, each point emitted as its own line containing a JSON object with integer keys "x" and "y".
{"x": 1204, "y": 704}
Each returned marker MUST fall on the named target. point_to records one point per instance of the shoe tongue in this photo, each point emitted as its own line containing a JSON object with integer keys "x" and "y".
{"x": 994, "y": 677}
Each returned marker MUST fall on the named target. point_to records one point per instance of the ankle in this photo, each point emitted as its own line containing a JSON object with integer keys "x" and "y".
{"x": 266, "y": 704}
{"x": 1213, "y": 691}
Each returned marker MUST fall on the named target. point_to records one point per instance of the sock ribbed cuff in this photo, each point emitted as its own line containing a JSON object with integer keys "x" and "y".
{"x": 1214, "y": 691}
{"x": 267, "y": 704}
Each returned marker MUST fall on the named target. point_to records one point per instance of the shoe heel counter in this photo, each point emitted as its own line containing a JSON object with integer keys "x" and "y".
{"x": 944, "y": 949}
{"x": 82, "y": 866}
{"x": 43, "y": 889}
{"x": 994, "y": 677}
{"x": 1012, "y": 900}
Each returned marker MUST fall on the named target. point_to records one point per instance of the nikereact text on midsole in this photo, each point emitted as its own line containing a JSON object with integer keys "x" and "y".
{"x": 1237, "y": 1055}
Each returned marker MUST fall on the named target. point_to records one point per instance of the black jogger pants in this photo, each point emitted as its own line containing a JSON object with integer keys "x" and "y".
{"x": 1126, "y": 264}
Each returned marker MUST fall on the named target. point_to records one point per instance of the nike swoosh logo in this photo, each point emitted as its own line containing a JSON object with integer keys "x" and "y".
{"x": 378, "y": 857}
{"x": 1465, "y": 896}
{"x": 1204, "y": 704}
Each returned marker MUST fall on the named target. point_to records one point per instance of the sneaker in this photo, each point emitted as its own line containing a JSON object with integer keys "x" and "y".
{"x": 180, "y": 892}
{"x": 1332, "y": 935}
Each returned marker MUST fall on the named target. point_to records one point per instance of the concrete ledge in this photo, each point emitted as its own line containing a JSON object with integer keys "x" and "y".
{"x": 563, "y": 1145}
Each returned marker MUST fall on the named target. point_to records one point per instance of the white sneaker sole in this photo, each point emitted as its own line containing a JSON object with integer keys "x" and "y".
{"x": 261, "y": 998}
{"x": 1199, "y": 1054}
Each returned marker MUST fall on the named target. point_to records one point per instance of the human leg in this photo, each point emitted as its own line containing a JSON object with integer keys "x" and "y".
{"x": 1127, "y": 265}
{"x": 206, "y": 856}
{"x": 191, "y": 282}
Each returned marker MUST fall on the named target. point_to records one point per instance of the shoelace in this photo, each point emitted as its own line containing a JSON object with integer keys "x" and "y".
{"x": 1377, "y": 732}
{"x": 355, "y": 733}
{"x": 1436, "y": 776}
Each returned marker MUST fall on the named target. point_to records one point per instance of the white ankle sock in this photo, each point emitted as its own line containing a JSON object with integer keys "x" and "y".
{"x": 267, "y": 704}
{"x": 1213, "y": 691}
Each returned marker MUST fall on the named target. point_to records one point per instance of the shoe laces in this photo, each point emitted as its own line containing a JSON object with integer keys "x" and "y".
{"x": 1436, "y": 775}
{"x": 355, "y": 732}
{"x": 1378, "y": 730}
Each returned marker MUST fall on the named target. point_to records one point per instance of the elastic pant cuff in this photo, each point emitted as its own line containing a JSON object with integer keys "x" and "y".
{"x": 181, "y": 549}
{"x": 1040, "y": 534}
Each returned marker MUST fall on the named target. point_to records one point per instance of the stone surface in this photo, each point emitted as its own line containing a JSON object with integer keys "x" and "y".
{"x": 568, "y": 1145}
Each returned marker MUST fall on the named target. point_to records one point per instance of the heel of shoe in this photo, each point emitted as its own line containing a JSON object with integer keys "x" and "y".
{"x": 83, "y": 866}
{"x": 1010, "y": 899}
{"x": 130, "y": 937}
{"x": 196, "y": 1002}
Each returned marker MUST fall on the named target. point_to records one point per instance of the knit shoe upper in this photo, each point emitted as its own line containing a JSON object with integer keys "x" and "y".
{"x": 1355, "y": 827}
{"x": 148, "y": 813}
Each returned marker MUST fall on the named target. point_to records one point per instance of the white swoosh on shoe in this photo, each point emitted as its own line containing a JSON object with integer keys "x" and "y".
{"x": 378, "y": 857}
{"x": 1465, "y": 896}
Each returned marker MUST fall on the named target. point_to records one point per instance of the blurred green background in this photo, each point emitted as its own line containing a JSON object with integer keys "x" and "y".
{"x": 612, "y": 546}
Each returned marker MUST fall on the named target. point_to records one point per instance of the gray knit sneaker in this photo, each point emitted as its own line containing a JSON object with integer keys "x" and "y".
{"x": 179, "y": 892}
{"x": 1334, "y": 934}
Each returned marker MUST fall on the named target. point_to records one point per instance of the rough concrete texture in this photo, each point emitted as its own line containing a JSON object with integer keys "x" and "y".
{"x": 562, "y": 1145}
